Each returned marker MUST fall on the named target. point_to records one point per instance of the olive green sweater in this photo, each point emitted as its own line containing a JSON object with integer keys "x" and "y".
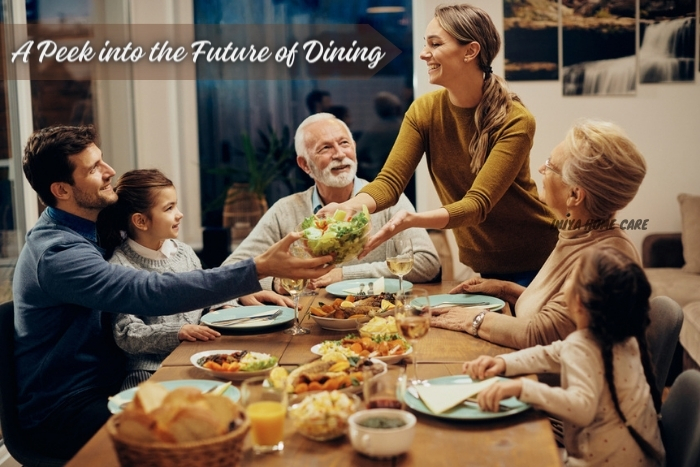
{"x": 499, "y": 222}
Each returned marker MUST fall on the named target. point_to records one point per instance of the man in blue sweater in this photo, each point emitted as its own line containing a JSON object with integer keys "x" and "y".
{"x": 67, "y": 363}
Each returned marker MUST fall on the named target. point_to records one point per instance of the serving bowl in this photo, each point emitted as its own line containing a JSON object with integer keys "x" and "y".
{"x": 342, "y": 235}
{"x": 323, "y": 415}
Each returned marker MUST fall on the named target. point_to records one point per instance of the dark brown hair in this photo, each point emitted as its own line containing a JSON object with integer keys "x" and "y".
{"x": 615, "y": 292}
{"x": 46, "y": 157}
{"x": 137, "y": 191}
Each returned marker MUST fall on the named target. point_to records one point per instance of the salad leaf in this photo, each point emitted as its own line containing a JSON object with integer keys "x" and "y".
{"x": 343, "y": 238}
{"x": 254, "y": 361}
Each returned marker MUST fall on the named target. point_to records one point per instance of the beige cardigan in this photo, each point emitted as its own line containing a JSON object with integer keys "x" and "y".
{"x": 541, "y": 315}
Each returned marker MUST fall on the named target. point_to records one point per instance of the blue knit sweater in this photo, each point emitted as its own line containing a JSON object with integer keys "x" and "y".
{"x": 63, "y": 343}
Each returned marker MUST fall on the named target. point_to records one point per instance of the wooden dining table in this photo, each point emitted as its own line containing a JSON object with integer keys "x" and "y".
{"x": 523, "y": 439}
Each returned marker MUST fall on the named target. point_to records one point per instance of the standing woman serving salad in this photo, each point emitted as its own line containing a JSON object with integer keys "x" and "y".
{"x": 477, "y": 138}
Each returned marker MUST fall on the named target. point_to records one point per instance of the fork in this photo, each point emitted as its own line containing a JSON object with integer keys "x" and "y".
{"x": 228, "y": 322}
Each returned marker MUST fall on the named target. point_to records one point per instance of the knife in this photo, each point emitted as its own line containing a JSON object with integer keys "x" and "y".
{"x": 267, "y": 314}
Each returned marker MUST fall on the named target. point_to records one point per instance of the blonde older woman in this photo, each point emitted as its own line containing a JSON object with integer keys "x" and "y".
{"x": 592, "y": 174}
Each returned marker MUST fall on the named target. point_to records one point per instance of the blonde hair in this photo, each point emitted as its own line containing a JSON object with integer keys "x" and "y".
{"x": 300, "y": 143}
{"x": 467, "y": 24}
{"x": 606, "y": 163}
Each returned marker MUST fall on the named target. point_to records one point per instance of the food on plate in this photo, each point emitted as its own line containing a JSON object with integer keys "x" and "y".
{"x": 238, "y": 361}
{"x": 378, "y": 345}
{"x": 338, "y": 235}
{"x": 329, "y": 374}
{"x": 379, "y": 326}
{"x": 178, "y": 416}
{"x": 278, "y": 377}
{"x": 323, "y": 416}
{"x": 354, "y": 307}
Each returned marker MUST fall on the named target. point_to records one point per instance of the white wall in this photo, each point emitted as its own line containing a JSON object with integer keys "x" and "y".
{"x": 662, "y": 119}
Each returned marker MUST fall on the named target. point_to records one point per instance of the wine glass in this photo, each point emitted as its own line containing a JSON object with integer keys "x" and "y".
{"x": 295, "y": 287}
{"x": 412, "y": 314}
{"x": 399, "y": 257}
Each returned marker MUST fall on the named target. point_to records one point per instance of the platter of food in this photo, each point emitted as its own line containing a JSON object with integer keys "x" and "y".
{"x": 234, "y": 365}
{"x": 388, "y": 348}
{"x": 332, "y": 373}
{"x": 346, "y": 315}
{"x": 118, "y": 402}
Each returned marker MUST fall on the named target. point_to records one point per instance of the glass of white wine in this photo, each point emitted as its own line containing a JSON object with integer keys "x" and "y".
{"x": 295, "y": 287}
{"x": 399, "y": 257}
{"x": 413, "y": 321}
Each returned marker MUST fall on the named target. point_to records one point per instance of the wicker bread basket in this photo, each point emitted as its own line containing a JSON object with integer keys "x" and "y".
{"x": 225, "y": 450}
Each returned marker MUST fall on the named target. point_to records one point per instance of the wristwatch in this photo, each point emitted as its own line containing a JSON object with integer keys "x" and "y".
{"x": 476, "y": 324}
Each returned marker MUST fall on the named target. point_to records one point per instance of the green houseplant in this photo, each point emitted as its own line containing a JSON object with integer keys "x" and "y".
{"x": 271, "y": 160}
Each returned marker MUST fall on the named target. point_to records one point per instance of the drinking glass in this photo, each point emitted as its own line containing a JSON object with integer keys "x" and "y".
{"x": 413, "y": 321}
{"x": 386, "y": 390}
{"x": 266, "y": 408}
{"x": 295, "y": 287}
{"x": 399, "y": 257}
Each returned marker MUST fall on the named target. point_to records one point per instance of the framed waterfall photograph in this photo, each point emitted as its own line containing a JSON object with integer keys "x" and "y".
{"x": 667, "y": 41}
{"x": 599, "y": 47}
{"x": 531, "y": 40}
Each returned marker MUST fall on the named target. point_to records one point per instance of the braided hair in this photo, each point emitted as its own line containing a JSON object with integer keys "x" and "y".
{"x": 615, "y": 292}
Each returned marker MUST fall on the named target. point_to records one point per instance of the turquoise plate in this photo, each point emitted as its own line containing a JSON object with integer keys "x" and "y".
{"x": 462, "y": 411}
{"x": 339, "y": 289}
{"x": 460, "y": 299}
{"x": 123, "y": 397}
{"x": 210, "y": 318}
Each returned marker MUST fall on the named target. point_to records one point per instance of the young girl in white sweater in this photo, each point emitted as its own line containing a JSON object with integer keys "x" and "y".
{"x": 147, "y": 211}
{"x": 607, "y": 399}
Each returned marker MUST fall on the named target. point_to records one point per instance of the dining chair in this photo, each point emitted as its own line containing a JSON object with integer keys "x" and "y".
{"x": 17, "y": 443}
{"x": 662, "y": 335}
{"x": 680, "y": 421}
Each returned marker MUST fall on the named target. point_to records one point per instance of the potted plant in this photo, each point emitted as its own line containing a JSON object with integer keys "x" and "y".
{"x": 270, "y": 161}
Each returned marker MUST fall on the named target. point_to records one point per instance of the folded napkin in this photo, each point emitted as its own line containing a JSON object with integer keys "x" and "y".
{"x": 377, "y": 288}
{"x": 442, "y": 397}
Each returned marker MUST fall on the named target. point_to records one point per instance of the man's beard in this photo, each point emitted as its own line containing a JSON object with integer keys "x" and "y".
{"x": 327, "y": 178}
{"x": 99, "y": 201}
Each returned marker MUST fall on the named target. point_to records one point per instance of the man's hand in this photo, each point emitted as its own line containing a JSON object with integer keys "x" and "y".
{"x": 265, "y": 296}
{"x": 194, "y": 332}
{"x": 477, "y": 285}
{"x": 484, "y": 367}
{"x": 490, "y": 397}
{"x": 277, "y": 261}
{"x": 336, "y": 275}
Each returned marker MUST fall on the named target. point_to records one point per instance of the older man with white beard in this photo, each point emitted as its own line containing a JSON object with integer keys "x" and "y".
{"x": 326, "y": 151}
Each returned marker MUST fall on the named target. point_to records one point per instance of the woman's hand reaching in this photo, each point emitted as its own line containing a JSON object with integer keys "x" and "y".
{"x": 477, "y": 285}
{"x": 398, "y": 223}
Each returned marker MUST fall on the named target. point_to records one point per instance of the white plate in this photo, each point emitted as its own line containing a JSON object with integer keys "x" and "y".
{"x": 123, "y": 397}
{"x": 390, "y": 286}
{"x": 227, "y": 375}
{"x": 389, "y": 359}
{"x": 210, "y": 318}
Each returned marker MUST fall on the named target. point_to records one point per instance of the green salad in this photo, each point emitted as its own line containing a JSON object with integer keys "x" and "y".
{"x": 338, "y": 236}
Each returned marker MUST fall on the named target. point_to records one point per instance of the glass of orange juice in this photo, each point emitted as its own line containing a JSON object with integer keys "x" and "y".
{"x": 266, "y": 408}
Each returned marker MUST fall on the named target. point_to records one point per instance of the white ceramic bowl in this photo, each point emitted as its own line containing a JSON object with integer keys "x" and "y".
{"x": 381, "y": 443}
